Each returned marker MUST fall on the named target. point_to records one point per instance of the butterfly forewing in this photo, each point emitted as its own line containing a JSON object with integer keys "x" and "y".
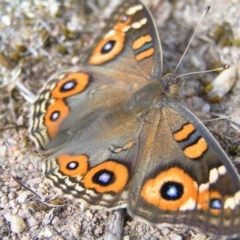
{"x": 130, "y": 39}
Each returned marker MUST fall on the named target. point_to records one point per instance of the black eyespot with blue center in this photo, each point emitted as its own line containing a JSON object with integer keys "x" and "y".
{"x": 108, "y": 46}
{"x": 55, "y": 115}
{"x": 68, "y": 86}
{"x": 215, "y": 203}
{"x": 72, "y": 165}
{"x": 104, "y": 177}
{"x": 171, "y": 190}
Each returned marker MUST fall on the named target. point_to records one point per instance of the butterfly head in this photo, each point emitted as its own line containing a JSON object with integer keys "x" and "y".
{"x": 171, "y": 84}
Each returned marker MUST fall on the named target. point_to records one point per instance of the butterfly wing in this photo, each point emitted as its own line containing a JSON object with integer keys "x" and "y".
{"x": 125, "y": 56}
{"x": 97, "y": 167}
{"x": 189, "y": 179}
{"x": 129, "y": 46}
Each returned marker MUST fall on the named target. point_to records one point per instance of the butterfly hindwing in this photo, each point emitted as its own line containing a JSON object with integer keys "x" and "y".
{"x": 189, "y": 181}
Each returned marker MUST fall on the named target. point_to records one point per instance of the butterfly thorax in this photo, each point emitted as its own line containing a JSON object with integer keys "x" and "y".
{"x": 154, "y": 92}
{"x": 145, "y": 97}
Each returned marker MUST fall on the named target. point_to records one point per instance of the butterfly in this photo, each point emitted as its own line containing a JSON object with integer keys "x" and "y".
{"x": 116, "y": 138}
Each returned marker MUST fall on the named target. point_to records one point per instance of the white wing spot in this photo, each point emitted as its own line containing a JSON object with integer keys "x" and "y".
{"x": 229, "y": 203}
{"x": 125, "y": 29}
{"x": 222, "y": 170}
{"x": 213, "y": 176}
{"x": 232, "y": 202}
{"x": 137, "y": 25}
{"x": 134, "y": 9}
{"x": 203, "y": 187}
{"x": 189, "y": 205}
{"x": 110, "y": 34}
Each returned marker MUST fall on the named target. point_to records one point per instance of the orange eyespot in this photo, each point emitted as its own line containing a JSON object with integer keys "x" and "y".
{"x": 108, "y": 48}
{"x": 55, "y": 115}
{"x": 210, "y": 200}
{"x": 109, "y": 176}
{"x": 72, "y": 84}
{"x": 170, "y": 190}
{"x": 73, "y": 165}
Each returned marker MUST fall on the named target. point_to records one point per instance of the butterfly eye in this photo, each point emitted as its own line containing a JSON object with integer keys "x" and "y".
{"x": 103, "y": 177}
{"x": 171, "y": 190}
{"x": 108, "y": 46}
{"x": 72, "y": 165}
{"x": 215, "y": 203}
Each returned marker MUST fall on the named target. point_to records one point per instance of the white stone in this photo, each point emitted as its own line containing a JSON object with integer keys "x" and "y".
{"x": 32, "y": 222}
{"x": 3, "y": 151}
{"x": 17, "y": 224}
{"x": 174, "y": 236}
{"x": 22, "y": 198}
{"x": 11, "y": 196}
{"x": 4, "y": 199}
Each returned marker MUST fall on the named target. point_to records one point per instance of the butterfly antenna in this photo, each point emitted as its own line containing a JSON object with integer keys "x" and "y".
{"x": 224, "y": 67}
{"x": 207, "y": 8}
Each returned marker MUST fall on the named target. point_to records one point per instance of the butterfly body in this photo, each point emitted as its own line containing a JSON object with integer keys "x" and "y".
{"x": 116, "y": 137}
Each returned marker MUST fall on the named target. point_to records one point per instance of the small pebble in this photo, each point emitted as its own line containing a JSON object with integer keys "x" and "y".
{"x": 32, "y": 222}
{"x": 56, "y": 221}
{"x": 200, "y": 236}
{"x": 206, "y": 107}
{"x": 34, "y": 181}
{"x": 165, "y": 231}
{"x": 174, "y": 236}
{"x": 20, "y": 158}
{"x": 3, "y": 151}
{"x": 22, "y": 197}
{"x": 13, "y": 183}
{"x": 5, "y": 238}
{"x": 47, "y": 233}
{"x": 14, "y": 189}
{"x": 11, "y": 196}
{"x": 20, "y": 175}
{"x": 12, "y": 203}
{"x": 25, "y": 238}
{"x": 4, "y": 199}
{"x": 17, "y": 224}
{"x": 197, "y": 102}
{"x": 75, "y": 229}
{"x": 89, "y": 214}
{"x": 5, "y": 189}
{"x": 8, "y": 216}
{"x": 17, "y": 153}
{"x": 15, "y": 210}
{"x": 13, "y": 142}
{"x": 98, "y": 231}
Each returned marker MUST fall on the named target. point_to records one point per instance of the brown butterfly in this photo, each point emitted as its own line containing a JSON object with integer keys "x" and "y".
{"x": 117, "y": 139}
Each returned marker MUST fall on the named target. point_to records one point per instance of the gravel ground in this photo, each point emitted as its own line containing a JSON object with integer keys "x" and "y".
{"x": 38, "y": 38}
